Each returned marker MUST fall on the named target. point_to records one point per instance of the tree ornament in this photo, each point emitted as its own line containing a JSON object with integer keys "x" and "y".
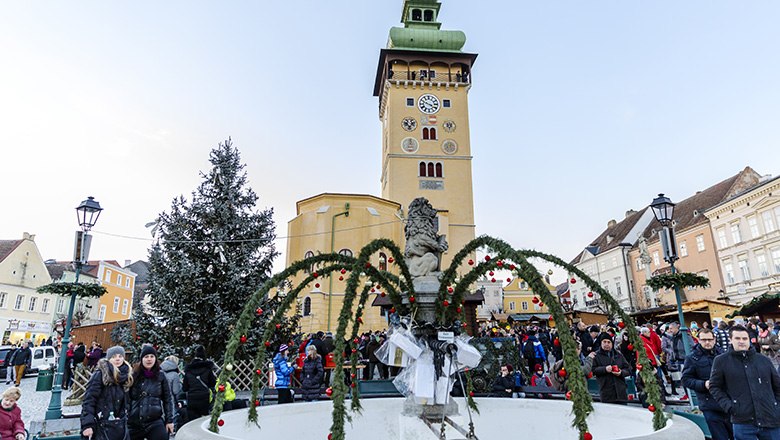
{"x": 352, "y": 385}
{"x": 491, "y": 273}
{"x": 259, "y": 372}
{"x": 259, "y": 311}
{"x": 562, "y": 372}
{"x": 317, "y": 285}
{"x": 221, "y": 388}
{"x": 445, "y": 303}
{"x": 382, "y": 294}
{"x": 639, "y": 367}
{"x": 487, "y": 257}
{"x": 621, "y": 325}
{"x": 590, "y": 375}
{"x": 509, "y": 280}
{"x": 590, "y": 294}
{"x": 353, "y": 375}
{"x": 630, "y": 347}
{"x": 392, "y": 309}
{"x": 229, "y": 367}
{"x": 267, "y": 344}
{"x": 373, "y": 290}
{"x": 391, "y": 260}
{"x": 242, "y": 339}
{"x": 568, "y": 395}
{"x": 329, "y": 391}
{"x": 651, "y": 408}
{"x": 221, "y": 422}
{"x": 535, "y": 300}
{"x": 458, "y": 310}
{"x": 450, "y": 289}
{"x": 630, "y": 397}
{"x": 471, "y": 262}
{"x": 585, "y": 436}
{"x": 343, "y": 271}
{"x": 341, "y": 278}
{"x": 356, "y": 341}
{"x": 499, "y": 263}
{"x": 512, "y": 267}
{"x": 463, "y": 325}
{"x": 541, "y": 304}
{"x": 257, "y": 402}
{"x": 573, "y": 281}
{"x": 278, "y": 326}
{"x": 368, "y": 265}
{"x": 360, "y": 320}
{"x": 549, "y": 272}
{"x": 492, "y": 280}
{"x": 507, "y": 327}
{"x": 557, "y": 342}
{"x": 330, "y": 436}
{"x": 411, "y": 299}
{"x": 315, "y": 274}
{"x": 354, "y": 350}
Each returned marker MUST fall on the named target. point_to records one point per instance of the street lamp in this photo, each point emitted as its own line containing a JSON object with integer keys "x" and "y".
{"x": 87, "y": 214}
{"x": 663, "y": 208}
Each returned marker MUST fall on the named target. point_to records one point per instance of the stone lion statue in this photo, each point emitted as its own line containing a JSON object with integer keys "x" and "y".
{"x": 423, "y": 245}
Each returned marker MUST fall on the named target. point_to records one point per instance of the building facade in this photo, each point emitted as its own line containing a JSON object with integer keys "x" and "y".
{"x": 25, "y": 314}
{"x": 519, "y": 299}
{"x": 695, "y": 246}
{"x": 493, "y": 292}
{"x": 746, "y": 231}
{"x": 117, "y": 303}
{"x": 606, "y": 261}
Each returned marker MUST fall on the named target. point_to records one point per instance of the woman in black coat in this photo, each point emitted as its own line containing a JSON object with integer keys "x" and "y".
{"x": 151, "y": 407}
{"x": 312, "y": 374}
{"x": 199, "y": 380}
{"x": 106, "y": 403}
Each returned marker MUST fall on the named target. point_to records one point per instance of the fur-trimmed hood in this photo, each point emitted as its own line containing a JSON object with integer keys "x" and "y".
{"x": 108, "y": 377}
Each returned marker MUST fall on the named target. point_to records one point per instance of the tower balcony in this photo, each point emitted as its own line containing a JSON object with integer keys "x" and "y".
{"x": 433, "y": 77}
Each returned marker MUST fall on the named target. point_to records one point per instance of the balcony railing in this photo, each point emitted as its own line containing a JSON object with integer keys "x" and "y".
{"x": 443, "y": 77}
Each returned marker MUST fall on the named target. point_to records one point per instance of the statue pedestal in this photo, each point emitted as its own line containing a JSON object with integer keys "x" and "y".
{"x": 426, "y": 289}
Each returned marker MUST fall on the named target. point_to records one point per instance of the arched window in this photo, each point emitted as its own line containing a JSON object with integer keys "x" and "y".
{"x": 382, "y": 261}
{"x": 426, "y": 134}
{"x": 439, "y": 172}
{"x": 309, "y": 254}
{"x": 432, "y": 133}
{"x": 431, "y": 172}
{"x": 416, "y": 15}
{"x": 428, "y": 15}
{"x": 423, "y": 169}
{"x": 307, "y": 306}
{"x": 345, "y": 252}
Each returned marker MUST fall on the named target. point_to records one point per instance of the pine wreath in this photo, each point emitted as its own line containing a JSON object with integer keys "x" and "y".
{"x": 87, "y": 290}
{"x": 679, "y": 279}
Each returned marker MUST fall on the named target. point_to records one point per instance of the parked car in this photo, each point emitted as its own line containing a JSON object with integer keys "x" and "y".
{"x": 4, "y": 349}
{"x": 42, "y": 356}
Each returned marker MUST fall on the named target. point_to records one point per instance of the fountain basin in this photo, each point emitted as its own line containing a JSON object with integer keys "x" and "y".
{"x": 381, "y": 419}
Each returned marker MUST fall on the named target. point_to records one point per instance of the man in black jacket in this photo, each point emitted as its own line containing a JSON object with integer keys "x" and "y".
{"x": 9, "y": 364}
{"x": 22, "y": 358}
{"x": 696, "y": 376}
{"x": 747, "y": 387}
{"x": 611, "y": 370}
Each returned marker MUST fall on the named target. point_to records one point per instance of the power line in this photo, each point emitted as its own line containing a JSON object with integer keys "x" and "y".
{"x": 245, "y": 240}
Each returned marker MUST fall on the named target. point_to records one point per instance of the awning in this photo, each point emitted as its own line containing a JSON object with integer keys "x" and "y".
{"x": 524, "y": 317}
{"x": 758, "y": 305}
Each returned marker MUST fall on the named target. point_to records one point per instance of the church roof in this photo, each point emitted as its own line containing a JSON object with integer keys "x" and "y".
{"x": 7, "y": 247}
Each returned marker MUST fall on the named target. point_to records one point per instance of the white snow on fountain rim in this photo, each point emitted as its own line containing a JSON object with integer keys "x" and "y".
{"x": 498, "y": 419}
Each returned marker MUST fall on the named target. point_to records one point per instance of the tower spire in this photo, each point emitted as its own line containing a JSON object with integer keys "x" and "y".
{"x": 422, "y": 30}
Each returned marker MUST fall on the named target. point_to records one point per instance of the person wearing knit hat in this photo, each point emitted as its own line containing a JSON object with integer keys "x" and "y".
{"x": 106, "y": 397}
{"x": 283, "y": 371}
{"x": 152, "y": 408}
{"x": 199, "y": 380}
{"x": 610, "y": 369}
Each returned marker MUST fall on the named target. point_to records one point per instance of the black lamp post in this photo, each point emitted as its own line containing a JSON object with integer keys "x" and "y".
{"x": 87, "y": 214}
{"x": 663, "y": 208}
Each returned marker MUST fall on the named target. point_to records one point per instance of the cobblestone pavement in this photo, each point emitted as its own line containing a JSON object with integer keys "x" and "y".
{"x": 34, "y": 403}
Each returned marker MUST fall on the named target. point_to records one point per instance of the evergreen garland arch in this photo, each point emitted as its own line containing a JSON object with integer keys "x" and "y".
{"x": 449, "y": 308}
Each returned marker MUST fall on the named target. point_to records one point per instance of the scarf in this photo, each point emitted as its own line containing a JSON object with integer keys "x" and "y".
{"x": 124, "y": 372}
{"x": 148, "y": 373}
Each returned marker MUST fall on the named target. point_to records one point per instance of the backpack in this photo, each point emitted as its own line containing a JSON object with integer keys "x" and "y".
{"x": 529, "y": 352}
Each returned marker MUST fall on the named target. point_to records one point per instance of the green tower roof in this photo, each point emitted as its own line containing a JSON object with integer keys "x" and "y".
{"x": 422, "y": 31}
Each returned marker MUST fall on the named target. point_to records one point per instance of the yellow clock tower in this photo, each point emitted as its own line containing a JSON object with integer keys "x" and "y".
{"x": 422, "y": 83}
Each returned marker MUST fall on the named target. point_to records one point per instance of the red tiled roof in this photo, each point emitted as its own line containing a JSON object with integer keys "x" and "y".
{"x": 8, "y": 246}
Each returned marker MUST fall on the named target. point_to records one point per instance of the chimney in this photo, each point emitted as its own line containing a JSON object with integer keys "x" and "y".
{"x": 28, "y": 236}
{"x": 611, "y": 224}
{"x": 630, "y": 212}
{"x": 127, "y": 263}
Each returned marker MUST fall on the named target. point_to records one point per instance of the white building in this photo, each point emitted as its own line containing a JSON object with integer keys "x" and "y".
{"x": 746, "y": 229}
{"x": 25, "y": 314}
{"x": 494, "y": 298}
{"x": 606, "y": 261}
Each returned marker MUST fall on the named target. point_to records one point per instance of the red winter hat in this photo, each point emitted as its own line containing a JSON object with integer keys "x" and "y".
{"x": 538, "y": 367}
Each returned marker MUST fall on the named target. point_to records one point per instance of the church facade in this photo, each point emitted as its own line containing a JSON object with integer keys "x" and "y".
{"x": 422, "y": 83}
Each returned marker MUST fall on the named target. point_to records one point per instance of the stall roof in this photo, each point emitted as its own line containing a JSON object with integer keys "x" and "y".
{"x": 757, "y": 305}
{"x": 522, "y": 317}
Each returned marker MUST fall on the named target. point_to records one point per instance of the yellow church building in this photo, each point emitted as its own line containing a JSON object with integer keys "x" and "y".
{"x": 422, "y": 83}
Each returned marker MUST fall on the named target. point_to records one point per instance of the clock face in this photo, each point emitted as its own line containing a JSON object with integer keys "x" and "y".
{"x": 409, "y": 124}
{"x": 449, "y": 146}
{"x": 428, "y": 104}
{"x": 410, "y": 145}
{"x": 449, "y": 126}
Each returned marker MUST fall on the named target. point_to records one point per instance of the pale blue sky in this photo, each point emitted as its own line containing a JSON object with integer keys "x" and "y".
{"x": 579, "y": 110}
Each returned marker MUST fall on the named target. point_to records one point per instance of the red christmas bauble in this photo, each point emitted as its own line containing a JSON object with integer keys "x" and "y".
{"x": 590, "y": 375}
{"x": 355, "y": 341}
{"x": 411, "y": 299}
{"x": 242, "y": 339}
{"x": 573, "y": 281}
{"x": 463, "y": 325}
{"x": 562, "y": 372}
{"x": 354, "y": 350}
{"x": 341, "y": 278}
{"x": 621, "y": 324}
{"x": 221, "y": 388}
{"x": 267, "y": 344}
{"x": 220, "y": 422}
{"x": 509, "y": 280}
{"x": 587, "y": 436}
{"x": 541, "y": 304}
{"x": 487, "y": 257}
{"x": 471, "y": 393}
{"x": 492, "y": 280}
{"x": 491, "y": 273}
{"x": 590, "y": 294}
{"x": 259, "y": 372}
{"x": 557, "y": 342}
{"x": 630, "y": 397}
{"x": 499, "y": 263}
{"x": 278, "y": 326}
{"x": 259, "y": 311}
{"x": 353, "y": 385}
{"x": 343, "y": 271}
{"x": 458, "y": 310}
{"x": 471, "y": 262}
{"x": 315, "y": 274}
{"x": 329, "y": 391}
{"x": 568, "y": 395}
{"x": 535, "y": 300}
{"x": 368, "y": 265}
{"x": 317, "y": 285}
{"x": 445, "y": 303}
{"x": 450, "y": 289}
{"x": 360, "y": 320}
{"x": 639, "y": 367}
{"x": 651, "y": 408}
{"x": 382, "y": 294}
{"x": 392, "y": 309}
{"x": 257, "y": 402}
{"x": 512, "y": 267}
{"x": 391, "y": 260}
{"x": 330, "y": 436}
{"x": 630, "y": 347}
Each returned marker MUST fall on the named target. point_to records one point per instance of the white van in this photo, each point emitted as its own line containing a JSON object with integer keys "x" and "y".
{"x": 42, "y": 356}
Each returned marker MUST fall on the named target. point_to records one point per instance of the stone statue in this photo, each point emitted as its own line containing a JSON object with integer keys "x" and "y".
{"x": 423, "y": 245}
{"x": 644, "y": 254}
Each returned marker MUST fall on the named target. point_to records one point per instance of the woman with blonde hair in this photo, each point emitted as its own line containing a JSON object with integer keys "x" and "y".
{"x": 106, "y": 403}
{"x": 11, "y": 423}
{"x": 312, "y": 374}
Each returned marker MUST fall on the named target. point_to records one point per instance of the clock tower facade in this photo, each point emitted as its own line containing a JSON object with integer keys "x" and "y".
{"x": 422, "y": 82}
